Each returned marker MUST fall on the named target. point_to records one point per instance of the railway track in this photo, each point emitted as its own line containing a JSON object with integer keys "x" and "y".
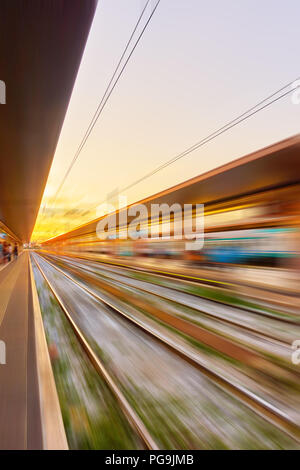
{"x": 129, "y": 412}
{"x": 213, "y": 339}
{"x": 268, "y": 353}
{"x": 260, "y": 406}
{"x": 194, "y": 280}
{"x": 129, "y": 283}
{"x": 262, "y": 309}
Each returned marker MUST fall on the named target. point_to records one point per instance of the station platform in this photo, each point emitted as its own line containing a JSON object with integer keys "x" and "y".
{"x": 30, "y": 416}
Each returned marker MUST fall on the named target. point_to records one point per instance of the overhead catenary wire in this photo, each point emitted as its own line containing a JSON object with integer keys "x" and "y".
{"x": 108, "y": 91}
{"x": 261, "y": 105}
{"x": 242, "y": 117}
{"x": 234, "y": 122}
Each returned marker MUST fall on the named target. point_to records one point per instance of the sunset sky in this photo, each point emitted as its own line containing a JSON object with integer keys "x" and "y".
{"x": 199, "y": 65}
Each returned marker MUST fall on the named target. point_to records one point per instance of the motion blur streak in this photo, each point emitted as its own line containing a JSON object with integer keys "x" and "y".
{"x": 169, "y": 320}
{"x": 199, "y": 342}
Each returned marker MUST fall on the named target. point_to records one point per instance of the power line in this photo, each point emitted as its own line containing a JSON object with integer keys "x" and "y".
{"x": 229, "y": 125}
{"x": 242, "y": 117}
{"x": 107, "y": 93}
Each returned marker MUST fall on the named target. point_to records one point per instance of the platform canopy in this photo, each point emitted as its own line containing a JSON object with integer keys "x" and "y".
{"x": 41, "y": 46}
{"x": 275, "y": 166}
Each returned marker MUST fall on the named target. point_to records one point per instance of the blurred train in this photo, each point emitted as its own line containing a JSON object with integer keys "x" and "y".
{"x": 251, "y": 216}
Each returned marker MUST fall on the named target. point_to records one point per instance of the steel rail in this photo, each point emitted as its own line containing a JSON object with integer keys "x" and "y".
{"x": 257, "y": 404}
{"x": 182, "y": 303}
{"x": 131, "y": 415}
{"x": 190, "y": 280}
